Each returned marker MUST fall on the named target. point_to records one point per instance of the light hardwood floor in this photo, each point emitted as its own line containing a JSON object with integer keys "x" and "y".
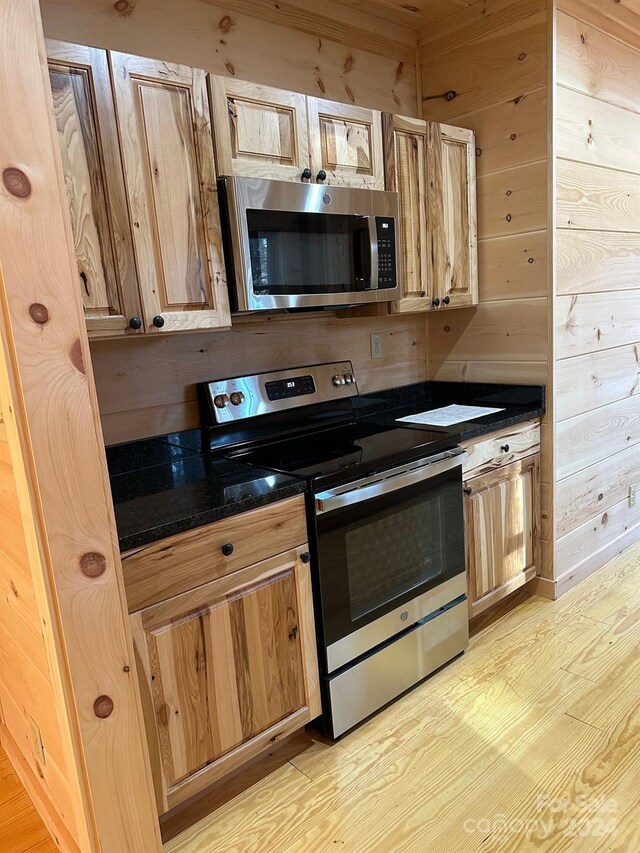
{"x": 530, "y": 741}
{"x": 21, "y": 829}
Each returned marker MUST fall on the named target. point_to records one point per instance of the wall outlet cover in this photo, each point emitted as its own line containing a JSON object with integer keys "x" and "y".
{"x": 633, "y": 493}
{"x": 376, "y": 345}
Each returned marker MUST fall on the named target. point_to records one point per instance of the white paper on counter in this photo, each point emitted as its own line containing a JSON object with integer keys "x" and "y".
{"x": 449, "y": 415}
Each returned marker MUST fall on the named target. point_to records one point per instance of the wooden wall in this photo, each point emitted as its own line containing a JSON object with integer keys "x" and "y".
{"x": 493, "y": 60}
{"x": 27, "y": 695}
{"x": 334, "y": 51}
{"x": 147, "y": 387}
{"x": 598, "y": 283}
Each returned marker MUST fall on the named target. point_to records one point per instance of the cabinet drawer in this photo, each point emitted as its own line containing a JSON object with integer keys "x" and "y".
{"x": 179, "y": 563}
{"x": 488, "y": 453}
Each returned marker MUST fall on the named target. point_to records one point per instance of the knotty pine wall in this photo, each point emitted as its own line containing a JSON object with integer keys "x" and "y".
{"x": 495, "y": 57}
{"x": 147, "y": 387}
{"x": 28, "y": 701}
{"x": 598, "y": 283}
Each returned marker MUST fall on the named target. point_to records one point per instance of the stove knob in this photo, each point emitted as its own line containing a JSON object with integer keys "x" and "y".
{"x": 338, "y": 380}
{"x": 237, "y": 398}
{"x": 348, "y": 378}
{"x": 220, "y": 401}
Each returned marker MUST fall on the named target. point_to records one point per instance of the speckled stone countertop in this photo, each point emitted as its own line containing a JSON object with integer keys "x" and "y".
{"x": 520, "y": 403}
{"x": 162, "y": 486}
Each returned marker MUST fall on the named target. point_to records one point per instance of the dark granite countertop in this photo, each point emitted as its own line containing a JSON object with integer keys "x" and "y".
{"x": 520, "y": 403}
{"x": 163, "y": 486}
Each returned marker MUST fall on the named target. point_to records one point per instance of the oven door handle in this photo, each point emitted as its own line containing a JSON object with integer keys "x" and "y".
{"x": 354, "y": 494}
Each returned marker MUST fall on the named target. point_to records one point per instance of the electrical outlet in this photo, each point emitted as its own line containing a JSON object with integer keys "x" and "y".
{"x": 376, "y": 345}
{"x": 633, "y": 492}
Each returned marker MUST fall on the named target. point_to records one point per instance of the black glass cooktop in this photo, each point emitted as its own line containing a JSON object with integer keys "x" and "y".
{"x": 353, "y": 450}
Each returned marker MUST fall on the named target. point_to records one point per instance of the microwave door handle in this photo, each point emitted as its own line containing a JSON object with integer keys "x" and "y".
{"x": 362, "y": 253}
{"x": 373, "y": 252}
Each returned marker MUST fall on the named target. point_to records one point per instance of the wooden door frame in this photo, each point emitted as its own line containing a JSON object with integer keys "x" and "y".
{"x": 56, "y": 442}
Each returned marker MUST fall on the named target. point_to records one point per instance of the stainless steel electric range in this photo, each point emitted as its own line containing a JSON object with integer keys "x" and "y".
{"x": 384, "y": 511}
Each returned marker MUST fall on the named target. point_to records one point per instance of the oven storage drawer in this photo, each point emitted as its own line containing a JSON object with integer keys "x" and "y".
{"x": 369, "y": 685}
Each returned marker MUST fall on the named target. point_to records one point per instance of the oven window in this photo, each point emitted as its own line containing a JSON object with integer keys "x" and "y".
{"x": 395, "y": 553}
{"x": 307, "y": 253}
{"x": 378, "y": 554}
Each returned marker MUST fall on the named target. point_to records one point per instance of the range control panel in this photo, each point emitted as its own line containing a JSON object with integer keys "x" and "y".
{"x": 264, "y": 393}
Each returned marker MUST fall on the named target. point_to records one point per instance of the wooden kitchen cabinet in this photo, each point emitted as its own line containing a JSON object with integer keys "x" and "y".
{"x": 432, "y": 168}
{"x": 346, "y": 143}
{"x": 502, "y": 536}
{"x": 165, "y": 135}
{"x": 226, "y": 669}
{"x": 93, "y": 177}
{"x": 260, "y": 132}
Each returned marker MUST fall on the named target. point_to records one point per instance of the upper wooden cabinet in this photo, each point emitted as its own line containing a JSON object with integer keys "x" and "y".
{"x": 260, "y": 131}
{"x": 432, "y": 167}
{"x": 92, "y": 169}
{"x": 164, "y": 121}
{"x": 264, "y": 132}
{"x": 346, "y": 143}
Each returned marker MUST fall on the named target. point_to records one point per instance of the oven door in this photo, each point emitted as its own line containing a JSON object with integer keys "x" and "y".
{"x": 383, "y": 544}
{"x": 308, "y": 245}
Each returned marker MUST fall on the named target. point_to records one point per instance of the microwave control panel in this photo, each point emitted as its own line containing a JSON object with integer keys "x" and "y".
{"x": 386, "y": 231}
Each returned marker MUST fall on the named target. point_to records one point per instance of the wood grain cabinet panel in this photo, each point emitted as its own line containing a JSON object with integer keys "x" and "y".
{"x": 501, "y": 531}
{"x": 85, "y": 121}
{"x": 260, "y": 132}
{"x": 346, "y": 143}
{"x": 452, "y": 218}
{"x": 432, "y": 168}
{"x": 224, "y": 668}
{"x": 164, "y": 121}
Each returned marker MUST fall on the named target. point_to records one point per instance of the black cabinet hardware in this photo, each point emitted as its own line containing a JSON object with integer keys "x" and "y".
{"x": 505, "y": 448}
{"x": 135, "y": 323}
{"x": 467, "y": 490}
{"x": 158, "y": 321}
{"x": 306, "y": 557}
{"x": 306, "y": 175}
{"x": 228, "y": 549}
{"x": 321, "y": 176}
{"x": 446, "y": 300}
{"x": 436, "y": 302}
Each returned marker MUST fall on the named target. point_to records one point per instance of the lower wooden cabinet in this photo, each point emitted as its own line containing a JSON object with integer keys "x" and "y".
{"x": 226, "y": 669}
{"x": 501, "y": 531}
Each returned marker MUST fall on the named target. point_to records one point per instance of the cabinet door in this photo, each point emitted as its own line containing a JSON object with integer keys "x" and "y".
{"x": 405, "y": 153}
{"x": 346, "y": 143}
{"x": 452, "y": 217}
{"x": 86, "y": 124}
{"x": 224, "y": 670}
{"x": 501, "y": 531}
{"x": 163, "y": 113}
{"x": 259, "y": 131}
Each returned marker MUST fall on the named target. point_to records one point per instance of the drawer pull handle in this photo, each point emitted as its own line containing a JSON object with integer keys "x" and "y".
{"x": 305, "y": 557}
{"x": 227, "y": 549}
{"x": 505, "y": 448}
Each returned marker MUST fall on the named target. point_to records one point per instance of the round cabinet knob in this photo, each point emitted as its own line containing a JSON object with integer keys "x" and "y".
{"x": 135, "y": 323}
{"x": 436, "y": 302}
{"x": 220, "y": 401}
{"x": 467, "y": 490}
{"x": 505, "y": 448}
{"x": 306, "y": 557}
{"x": 306, "y": 175}
{"x": 237, "y": 398}
{"x": 321, "y": 176}
{"x": 227, "y": 549}
{"x": 446, "y": 300}
{"x": 158, "y": 321}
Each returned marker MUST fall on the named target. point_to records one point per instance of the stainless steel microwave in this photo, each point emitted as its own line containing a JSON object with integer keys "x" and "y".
{"x": 294, "y": 245}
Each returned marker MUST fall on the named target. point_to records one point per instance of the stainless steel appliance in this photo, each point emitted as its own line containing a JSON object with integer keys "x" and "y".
{"x": 384, "y": 511}
{"x": 296, "y": 245}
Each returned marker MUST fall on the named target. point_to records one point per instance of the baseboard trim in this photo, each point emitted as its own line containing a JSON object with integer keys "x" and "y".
{"x": 543, "y": 587}
{"x": 41, "y": 801}
{"x": 596, "y": 561}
